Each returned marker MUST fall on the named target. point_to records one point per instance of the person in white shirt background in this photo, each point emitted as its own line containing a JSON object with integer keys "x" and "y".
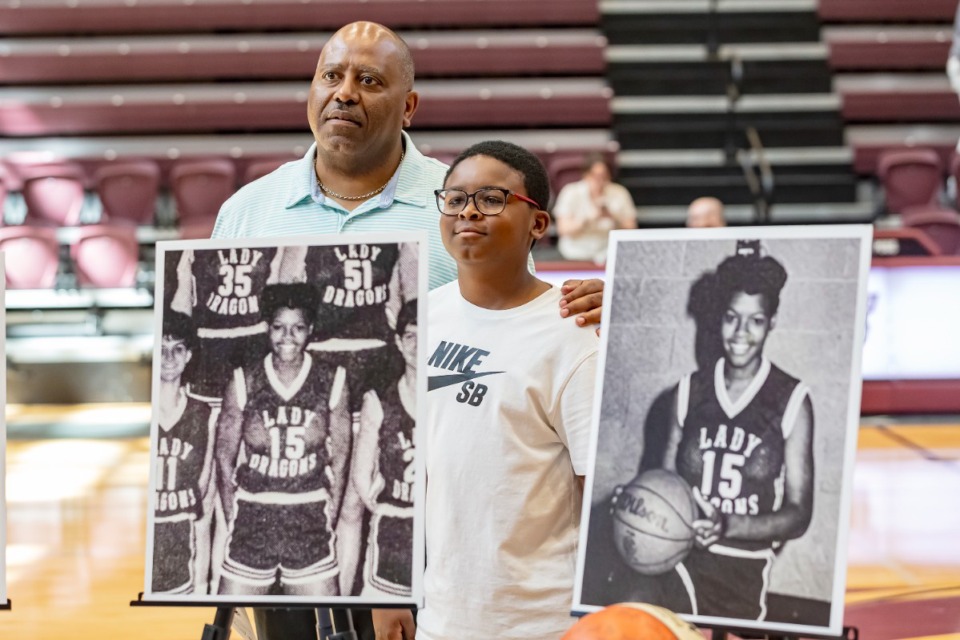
{"x": 587, "y": 210}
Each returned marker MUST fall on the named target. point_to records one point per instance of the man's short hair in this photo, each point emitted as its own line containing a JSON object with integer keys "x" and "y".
{"x": 179, "y": 326}
{"x": 297, "y": 295}
{"x": 535, "y": 179}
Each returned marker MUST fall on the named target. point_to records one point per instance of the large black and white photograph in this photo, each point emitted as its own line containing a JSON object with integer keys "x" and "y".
{"x": 286, "y": 395}
{"x": 726, "y": 430}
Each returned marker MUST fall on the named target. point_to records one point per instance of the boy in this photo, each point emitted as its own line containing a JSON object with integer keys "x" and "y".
{"x": 510, "y": 400}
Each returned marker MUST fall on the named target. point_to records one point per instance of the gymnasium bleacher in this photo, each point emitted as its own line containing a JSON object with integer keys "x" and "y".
{"x": 107, "y": 106}
{"x": 111, "y": 111}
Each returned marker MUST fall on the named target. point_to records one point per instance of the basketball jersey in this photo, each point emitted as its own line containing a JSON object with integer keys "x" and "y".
{"x": 285, "y": 429}
{"x": 396, "y": 464}
{"x": 228, "y": 285}
{"x": 180, "y": 460}
{"x": 734, "y": 451}
{"x": 354, "y": 285}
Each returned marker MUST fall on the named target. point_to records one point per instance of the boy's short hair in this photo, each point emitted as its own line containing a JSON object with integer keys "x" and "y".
{"x": 535, "y": 179}
{"x": 297, "y": 295}
{"x": 406, "y": 316}
{"x": 180, "y": 326}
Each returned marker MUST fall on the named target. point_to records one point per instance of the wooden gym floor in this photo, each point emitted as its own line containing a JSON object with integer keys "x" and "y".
{"x": 77, "y": 492}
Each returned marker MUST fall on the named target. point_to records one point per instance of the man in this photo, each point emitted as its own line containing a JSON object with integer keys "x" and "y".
{"x": 363, "y": 174}
{"x": 705, "y": 212}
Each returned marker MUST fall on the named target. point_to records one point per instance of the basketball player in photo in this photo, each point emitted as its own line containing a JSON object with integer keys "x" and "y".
{"x": 220, "y": 289}
{"x": 383, "y": 469}
{"x": 360, "y": 289}
{"x": 742, "y": 437}
{"x": 182, "y": 500}
{"x": 283, "y": 439}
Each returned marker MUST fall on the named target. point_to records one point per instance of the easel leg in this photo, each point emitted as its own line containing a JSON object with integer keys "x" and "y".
{"x": 342, "y": 622}
{"x": 220, "y": 629}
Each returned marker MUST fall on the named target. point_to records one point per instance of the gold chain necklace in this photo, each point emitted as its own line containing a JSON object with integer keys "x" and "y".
{"x": 338, "y": 196}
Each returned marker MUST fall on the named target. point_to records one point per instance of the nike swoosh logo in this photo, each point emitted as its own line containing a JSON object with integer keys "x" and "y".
{"x": 439, "y": 382}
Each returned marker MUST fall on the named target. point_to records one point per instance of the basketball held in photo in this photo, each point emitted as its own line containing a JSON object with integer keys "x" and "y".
{"x": 629, "y": 621}
{"x": 653, "y": 521}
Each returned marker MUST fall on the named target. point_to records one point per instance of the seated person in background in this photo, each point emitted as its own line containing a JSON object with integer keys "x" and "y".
{"x": 587, "y": 210}
{"x": 705, "y": 212}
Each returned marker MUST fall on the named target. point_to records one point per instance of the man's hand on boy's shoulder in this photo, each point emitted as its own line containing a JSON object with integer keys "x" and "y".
{"x": 583, "y": 299}
{"x": 394, "y": 624}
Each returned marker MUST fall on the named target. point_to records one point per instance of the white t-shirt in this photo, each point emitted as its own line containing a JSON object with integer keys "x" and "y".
{"x": 574, "y": 202}
{"x": 510, "y": 402}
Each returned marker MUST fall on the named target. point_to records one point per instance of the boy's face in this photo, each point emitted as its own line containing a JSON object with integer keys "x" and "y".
{"x": 174, "y": 356}
{"x": 472, "y": 237}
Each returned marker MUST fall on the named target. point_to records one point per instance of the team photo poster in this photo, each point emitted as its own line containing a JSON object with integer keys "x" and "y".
{"x": 286, "y": 395}
{"x": 725, "y": 435}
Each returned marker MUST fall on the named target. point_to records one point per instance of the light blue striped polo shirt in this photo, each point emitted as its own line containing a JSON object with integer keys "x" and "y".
{"x": 288, "y": 202}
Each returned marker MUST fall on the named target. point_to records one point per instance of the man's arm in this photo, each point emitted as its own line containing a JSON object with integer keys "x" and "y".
{"x": 582, "y": 299}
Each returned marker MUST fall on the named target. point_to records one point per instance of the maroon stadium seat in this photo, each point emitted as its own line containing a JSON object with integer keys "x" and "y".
{"x": 955, "y": 172}
{"x": 261, "y": 168}
{"x": 31, "y": 257}
{"x": 105, "y": 256}
{"x": 903, "y": 241}
{"x": 565, "y": 168}
{"x": 54, "y": 194}
{"x": 4, "y": 190}
{"x": 199, "y": 230}
{"x": 941, "y": 225}
{"x": 910, "y": 178}
{"x": 128, "y": 191}
{"x": 200, "y": 187}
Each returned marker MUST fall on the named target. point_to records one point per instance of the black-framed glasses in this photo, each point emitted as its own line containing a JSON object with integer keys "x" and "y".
{"x": 490, "y": 201}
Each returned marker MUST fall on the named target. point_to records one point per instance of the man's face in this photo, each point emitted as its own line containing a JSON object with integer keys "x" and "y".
{"x": 705, "y": 213}
{"x": 360, "y": 100}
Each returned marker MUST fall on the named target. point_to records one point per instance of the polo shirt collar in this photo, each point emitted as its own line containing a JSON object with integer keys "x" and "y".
{"x": 408, "y": 187}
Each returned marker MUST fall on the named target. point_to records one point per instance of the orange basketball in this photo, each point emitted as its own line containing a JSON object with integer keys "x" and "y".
{"x": 653, "y": 521}
{"x": 632, "y": 622}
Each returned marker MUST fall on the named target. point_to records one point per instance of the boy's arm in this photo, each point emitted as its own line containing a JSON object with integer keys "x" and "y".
{"x": 574, "y": 413}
